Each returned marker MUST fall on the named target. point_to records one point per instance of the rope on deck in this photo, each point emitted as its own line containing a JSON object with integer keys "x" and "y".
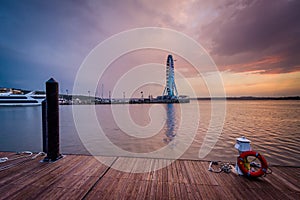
{"x": 224, "y": 167}
{"x": 24, "y": 157}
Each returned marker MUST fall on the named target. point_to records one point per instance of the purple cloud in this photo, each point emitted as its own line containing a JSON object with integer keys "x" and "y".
{"x": 255, "y": 31}
{"x": 43, "y": 38}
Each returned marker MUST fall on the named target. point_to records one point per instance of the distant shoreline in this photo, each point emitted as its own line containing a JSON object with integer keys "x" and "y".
{"x": 247, "y": 98}
{"x": 191, "y": 98}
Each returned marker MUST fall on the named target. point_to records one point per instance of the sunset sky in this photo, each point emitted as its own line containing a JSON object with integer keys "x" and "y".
{"x": 255, "y": 44}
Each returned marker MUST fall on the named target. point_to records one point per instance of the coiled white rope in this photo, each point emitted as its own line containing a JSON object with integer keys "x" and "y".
{"x": 25, "y": 156}
{"x": 224, "y": 167}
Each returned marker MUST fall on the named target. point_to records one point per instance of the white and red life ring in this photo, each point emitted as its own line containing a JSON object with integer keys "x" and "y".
{"x": 243, "y": 162}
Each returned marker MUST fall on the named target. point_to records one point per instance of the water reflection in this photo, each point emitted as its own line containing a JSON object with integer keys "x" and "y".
{"x": 272, "y": 126}
{"x": 170, "y": 125}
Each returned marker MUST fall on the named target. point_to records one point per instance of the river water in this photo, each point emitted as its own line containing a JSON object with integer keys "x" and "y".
{"x": 163, "y": 130}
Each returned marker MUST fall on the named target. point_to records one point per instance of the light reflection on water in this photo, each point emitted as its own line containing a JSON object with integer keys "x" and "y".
{"x": 170, "y": 125}
{"x": 272, "y": 126}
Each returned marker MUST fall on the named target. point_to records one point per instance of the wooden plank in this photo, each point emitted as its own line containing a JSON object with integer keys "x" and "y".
{"x": 101, "y": 189}
{"x": 10, "y": 175}
{"x": 210, "y": 192}
{"x": 181, "y": 178}
{"x": 171, "y": 190}
{"x": 113, "y": 173}
{"x": 119, "y": 189}
{"x": 25, "y": 181}
{"x": 153, "y": 172}
{"x": 24, "y": 165}
{"x": 203, "y": 174}
{"x": 193, "y": 192}
{"x": 136, "y": 189}
{"x": 189, "y": 172}
{"x": 170, "y": 175}
{"x": 75, "y": 176}
{"x": 174, "y": 173}
{"x": 165, "y": 177}
{"x": 77, "y": 182}
{"x": 125, "y": 165}
{"x": 282, "y": 179}
{"x": 227, "y": 183}
{"x": 159, "y": 174}
{"x": 195, "y": 174}
{"x": 7, "y": 154}
{"x": 148, "y": 168}
{"x": 129, "y": 192}
{"x": 44, "y": 177}
{"x": 61, "y": 193}
{"x": 143, "y": 188}
{"x": 184, "y": 172}
{"x": 159, "y": 190}
{"x": 148, "y": 191}
{"x": 136, "y": 166}
{"x": 165, "y": 190}
{"x": 153, "y": 188}
{"x": 183, "y": 190}
{"x": 177, "y": 192}
{"x": 9, "y": 190}
{"x": 27, "y": 192}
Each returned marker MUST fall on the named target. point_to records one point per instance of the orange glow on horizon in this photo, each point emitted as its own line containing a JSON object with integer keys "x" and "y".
{"x": 245, "y": 84}
{"x": 259, "y": 66}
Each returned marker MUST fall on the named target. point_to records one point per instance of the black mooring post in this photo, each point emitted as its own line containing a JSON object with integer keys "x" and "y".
{"x": 52, "y": 113}
{"x": 44, "y": 122}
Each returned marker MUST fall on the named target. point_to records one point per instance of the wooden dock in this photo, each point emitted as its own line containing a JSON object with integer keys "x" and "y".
{"x": 84, "y": 177}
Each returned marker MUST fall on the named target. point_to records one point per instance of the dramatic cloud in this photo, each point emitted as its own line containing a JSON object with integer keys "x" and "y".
{"x": 39, "y": 39}
{"x": 257, "y": 32}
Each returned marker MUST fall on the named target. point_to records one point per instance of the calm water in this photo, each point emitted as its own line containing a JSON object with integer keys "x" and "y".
{"x": 139, "y": 130}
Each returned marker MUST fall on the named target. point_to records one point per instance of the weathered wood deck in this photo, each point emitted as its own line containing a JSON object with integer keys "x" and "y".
{"x": 84, "y": 177}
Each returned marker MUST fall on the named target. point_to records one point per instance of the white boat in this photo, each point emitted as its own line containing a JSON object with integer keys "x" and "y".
{"x": 29, "y": 99}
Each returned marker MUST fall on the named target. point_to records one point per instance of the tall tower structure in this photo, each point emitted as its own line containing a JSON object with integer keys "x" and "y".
{"x": 170, "y": 90}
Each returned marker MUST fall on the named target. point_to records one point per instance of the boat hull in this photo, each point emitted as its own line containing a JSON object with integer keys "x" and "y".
{"x": 30, "y": 99}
